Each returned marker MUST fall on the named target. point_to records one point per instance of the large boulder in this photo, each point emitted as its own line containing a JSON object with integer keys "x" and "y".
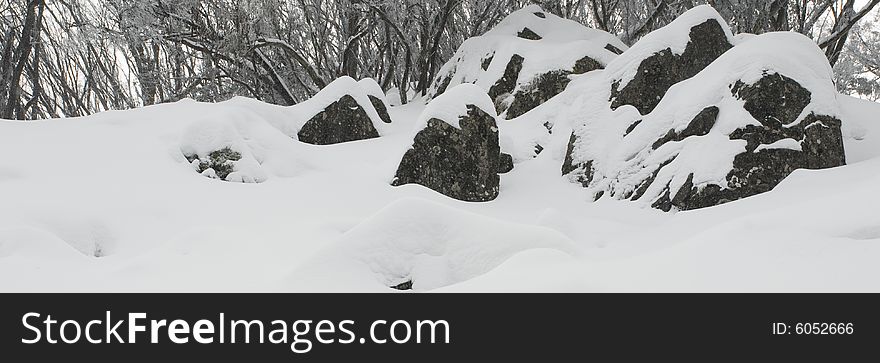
{"x": 659, "y": 69}
{"x": 346, "y": 110}
{"x": 711, "y": 140}
{"x": 536, "y": 92}
{"x": 527, "y": 59}
{"x": 341, "y": 121}
{"x": 456, "y": 154}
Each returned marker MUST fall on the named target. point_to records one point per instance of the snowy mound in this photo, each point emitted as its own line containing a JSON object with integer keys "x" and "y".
{"x": 114, "y": 202}
{"x": 452, "y": 105}
{"x": 421, "y": 245}
{"x": 527, "y": 58}
{"x": 761, "y": 110}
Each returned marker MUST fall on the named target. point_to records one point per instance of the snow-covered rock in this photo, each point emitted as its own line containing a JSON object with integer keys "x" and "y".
{"x": 345, "y": 110}
{"x": 217, "y": 150}
{"x": 456, "y": 150}
{"x": 666, "y": 56}
{"x": 737, "y": 128}
{"x": 377, "y": 98}
{"x": 527, "y": 59}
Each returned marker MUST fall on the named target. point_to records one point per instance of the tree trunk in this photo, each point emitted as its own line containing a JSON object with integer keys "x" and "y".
{"x": 30, "y": 31}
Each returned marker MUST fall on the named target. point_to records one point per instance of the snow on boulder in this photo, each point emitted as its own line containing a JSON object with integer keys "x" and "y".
{"x": 761, "y": 110}
{"x": 217, "y": 150}
{"x": 666, "y": 56}
{"x": 377, "y": 98}
{"x": 527, "y": 59}
{"x": 456, "y": 150}
{"x": 341, "y": 112}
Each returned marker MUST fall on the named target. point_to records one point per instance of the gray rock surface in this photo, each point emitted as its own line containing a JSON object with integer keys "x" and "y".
{"x": 342, "y": 121}
{"x": 460, "y": 163}
{"x": 663, "y": 69}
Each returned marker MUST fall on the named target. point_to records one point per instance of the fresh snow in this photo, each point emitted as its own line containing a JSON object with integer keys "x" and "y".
{"x": 109, "y": 202}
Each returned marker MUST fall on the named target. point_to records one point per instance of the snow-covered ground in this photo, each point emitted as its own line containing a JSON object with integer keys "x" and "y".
{"x": 110, "y": 203}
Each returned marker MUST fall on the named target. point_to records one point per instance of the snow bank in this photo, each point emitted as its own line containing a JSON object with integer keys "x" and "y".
{"x": 861, "y": 128}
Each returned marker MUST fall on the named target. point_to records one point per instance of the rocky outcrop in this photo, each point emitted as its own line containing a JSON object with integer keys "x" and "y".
{"x": 773, "y": 149}
{"x": 462, "y": 163}
{"x": 217, "y": 164}
{"x": 342, "y": 121}
{"x": 776, "y": 101}
{"x": 510, "y": 62}
{"x": 505, "y": 163}
{"x": 663, "y": 69}
{"x": 543, "y": 87}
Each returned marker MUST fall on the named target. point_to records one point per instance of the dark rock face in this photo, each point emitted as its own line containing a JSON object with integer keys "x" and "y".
{"x": 527, "y": 33}
{"x": 379, "y": 105}
{"x": 221, "y": 161}
{"x": 545, "y": 86}
{"x": 663, "y": 69}
{"x": 541, "y": 15}
{"x": 507, "y": 82}
{"x": 613, "y": 49}
{"x": 460, "y": 163}
{"x": 342, "y": 121}
{"x": 774, "y": 100}
{"x": 538, "y": 91}
{"x": 406, "y": 285}
{"x": 487, "y": 61}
